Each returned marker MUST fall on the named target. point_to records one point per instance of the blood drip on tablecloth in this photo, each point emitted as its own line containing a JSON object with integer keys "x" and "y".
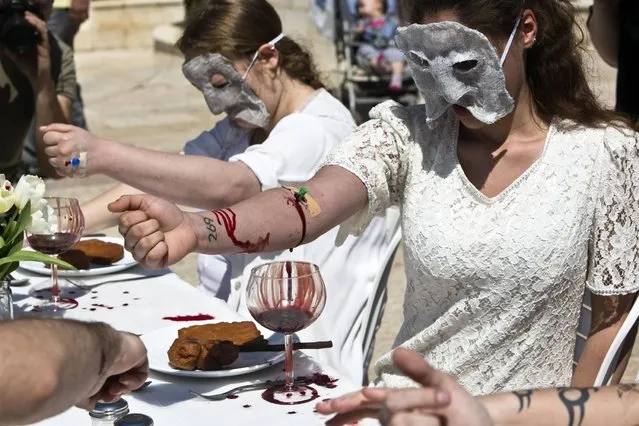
{"x": 324, "y": 380}
{"x": 292, "y": 412}
{"x": 318, "y": 379}
{"x": 198, "y": 317}
{"x": 100, "y": 305}
{"x": 232, "y": 397}
{"x": 246, "y": 406}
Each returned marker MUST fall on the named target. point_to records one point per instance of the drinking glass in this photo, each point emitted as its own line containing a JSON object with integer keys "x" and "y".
{"x": 286, "y": 297}
{"x": 66, "y": 225}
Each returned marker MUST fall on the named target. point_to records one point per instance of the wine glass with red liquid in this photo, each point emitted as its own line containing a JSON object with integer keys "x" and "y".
{"x": 66, "y": 225}
{"x": 287, "y": 297}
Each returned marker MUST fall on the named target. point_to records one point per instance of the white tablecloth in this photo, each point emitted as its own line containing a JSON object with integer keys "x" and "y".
{"x": 139, "y": 306}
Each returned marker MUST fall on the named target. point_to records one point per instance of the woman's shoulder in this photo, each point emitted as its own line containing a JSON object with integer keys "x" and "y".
{"x": 614, "y": 137}
{"x": 325, "y": 107}
{"x": 322, "y": 115}
{"x": 402, "y": 119}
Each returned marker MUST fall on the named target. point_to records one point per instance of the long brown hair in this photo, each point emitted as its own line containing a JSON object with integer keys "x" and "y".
{"x": 237, "y": 28}
{"x": 555, "y": 70}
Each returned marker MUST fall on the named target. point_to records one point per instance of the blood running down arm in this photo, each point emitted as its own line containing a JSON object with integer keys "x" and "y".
{"x": 277, "y": 220}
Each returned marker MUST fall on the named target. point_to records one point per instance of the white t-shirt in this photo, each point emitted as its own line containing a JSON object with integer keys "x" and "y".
{"x": 290, "y": 155}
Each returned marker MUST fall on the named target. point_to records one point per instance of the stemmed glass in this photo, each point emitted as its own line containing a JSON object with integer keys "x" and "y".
{"x": 286, "y": 297}
{"x": 66, "y": 225}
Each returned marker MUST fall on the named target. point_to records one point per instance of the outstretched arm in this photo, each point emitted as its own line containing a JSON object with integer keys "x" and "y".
{"x": 50, "y": 365}
{"x": 195, "y": 181}
{"x": 612, "y": 406}
{"x": 96, "y": 214}
{"x": 442, "y": 401}
{"x": 159, "y": 234}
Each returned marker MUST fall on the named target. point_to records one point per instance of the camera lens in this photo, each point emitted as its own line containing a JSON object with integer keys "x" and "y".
{"x": 16, "y": 33}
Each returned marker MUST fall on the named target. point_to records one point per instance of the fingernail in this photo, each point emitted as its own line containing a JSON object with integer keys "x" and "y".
{"x": 442, "y": 397}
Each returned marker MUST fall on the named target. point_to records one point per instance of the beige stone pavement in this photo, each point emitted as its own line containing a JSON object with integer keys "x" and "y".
{"x": 141, "y": 98}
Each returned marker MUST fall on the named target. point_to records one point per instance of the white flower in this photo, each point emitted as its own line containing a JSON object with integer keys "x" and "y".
{"x": 29, "y": 188}
{"x": 6, "y": 195}
{"x": 38, "y": 223}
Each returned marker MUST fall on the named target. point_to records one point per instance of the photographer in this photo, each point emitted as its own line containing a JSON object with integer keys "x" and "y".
{"x": 37, "y": 80}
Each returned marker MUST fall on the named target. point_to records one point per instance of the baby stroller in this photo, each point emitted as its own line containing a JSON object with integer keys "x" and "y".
{"x": 361, "y": 88}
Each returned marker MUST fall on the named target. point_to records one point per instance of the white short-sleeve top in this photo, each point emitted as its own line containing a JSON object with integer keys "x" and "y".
{"x": 290, "y": 155}
{"x": 495, "y": 284}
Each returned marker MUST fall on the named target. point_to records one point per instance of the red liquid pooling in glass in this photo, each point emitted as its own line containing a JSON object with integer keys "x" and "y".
{"x": 285, "y": 320}
{"x": 50, "y": 244}
{"x": 199, "y": 317}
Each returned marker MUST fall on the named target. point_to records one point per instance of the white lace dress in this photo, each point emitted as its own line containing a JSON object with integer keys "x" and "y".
{"x": 495, "y": 284}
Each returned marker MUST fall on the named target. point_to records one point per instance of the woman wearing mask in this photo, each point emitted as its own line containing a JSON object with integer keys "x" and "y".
{"x": 517, "y": 192}
{"x": 280, "y": 125}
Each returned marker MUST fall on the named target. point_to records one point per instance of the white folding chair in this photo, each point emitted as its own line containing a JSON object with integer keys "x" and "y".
{"x": 375, "y": 308}
{"x": 611, "y": 360}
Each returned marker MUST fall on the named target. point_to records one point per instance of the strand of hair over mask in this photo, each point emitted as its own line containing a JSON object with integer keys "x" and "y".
{"x": 271, "y": 43}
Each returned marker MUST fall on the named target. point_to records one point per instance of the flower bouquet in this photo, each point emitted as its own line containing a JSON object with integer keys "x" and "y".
{"x": 21, "y": 208}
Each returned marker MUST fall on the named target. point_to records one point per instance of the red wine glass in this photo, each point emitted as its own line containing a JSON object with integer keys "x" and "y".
{"x": 66, "y": 225}
{"x": 286, "y": 297}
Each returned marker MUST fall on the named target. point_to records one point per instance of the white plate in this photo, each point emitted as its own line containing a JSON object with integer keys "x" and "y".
{"x": 159, "y": 341}
{"x": 125, "y": 263}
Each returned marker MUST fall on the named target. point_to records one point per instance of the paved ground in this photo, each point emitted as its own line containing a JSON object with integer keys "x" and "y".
{"x": 141, "y": 98}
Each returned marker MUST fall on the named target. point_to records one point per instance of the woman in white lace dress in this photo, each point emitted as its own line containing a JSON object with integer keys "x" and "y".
{"x": 505, "y": 224}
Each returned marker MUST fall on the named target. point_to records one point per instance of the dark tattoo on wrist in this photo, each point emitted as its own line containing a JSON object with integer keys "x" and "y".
{"x": 524, "y": 399}
{"x": 575, "y": 402}
{"x": 210, "y": 226}
{"x": 626, "y": 388}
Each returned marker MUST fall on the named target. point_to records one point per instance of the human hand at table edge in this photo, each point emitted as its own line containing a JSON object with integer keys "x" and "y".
{"x": 125, "y": 372}
{"x": 440, "y": 400}
{"x": 155, "y": 231}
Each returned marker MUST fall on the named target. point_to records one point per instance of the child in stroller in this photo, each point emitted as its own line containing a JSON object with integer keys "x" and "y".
{"x": 375, "y": 33}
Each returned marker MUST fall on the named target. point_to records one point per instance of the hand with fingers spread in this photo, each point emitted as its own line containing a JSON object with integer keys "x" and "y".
{"x": 72, "y": 150}
{"x": 129, "y": 370}
{"x": 155, "y": 231}
{"x": 439, "y": 401}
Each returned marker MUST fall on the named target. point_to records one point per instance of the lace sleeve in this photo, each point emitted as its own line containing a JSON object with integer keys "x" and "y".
{"x": 374, "y": 153}
{"x": 614, "y": 257}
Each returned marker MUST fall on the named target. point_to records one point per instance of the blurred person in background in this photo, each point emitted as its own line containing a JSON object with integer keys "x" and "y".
{"x": 377, "y": 49}
{"x": 64, "y": 22}
{"x": 37, "y": 84}
{"x": 614, "y": 29}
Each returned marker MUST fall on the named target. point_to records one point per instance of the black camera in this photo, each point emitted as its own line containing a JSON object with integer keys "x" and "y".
{"x": 16, "y": 33}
